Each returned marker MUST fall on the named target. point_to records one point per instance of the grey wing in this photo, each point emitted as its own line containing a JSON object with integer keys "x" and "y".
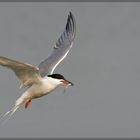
{"x": 26, "y": 73}
{"x": 61, "y": 49}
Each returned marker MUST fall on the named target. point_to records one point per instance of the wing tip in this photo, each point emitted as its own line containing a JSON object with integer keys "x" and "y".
{"x": 71, "y": 23}
{"x": 70, "y": 13}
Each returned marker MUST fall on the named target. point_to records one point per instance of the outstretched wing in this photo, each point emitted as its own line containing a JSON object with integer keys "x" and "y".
{"x": 26, "y": 73}
{"x": 61, "y": 49}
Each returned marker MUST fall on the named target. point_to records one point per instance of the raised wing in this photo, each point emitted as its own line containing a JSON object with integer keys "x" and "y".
{"x": 26, "y": 73}
{"x": 61, "y": 49}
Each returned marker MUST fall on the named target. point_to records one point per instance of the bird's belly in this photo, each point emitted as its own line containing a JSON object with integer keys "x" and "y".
{"x": 38, "y": 95}
{"x": 37, "y": 91}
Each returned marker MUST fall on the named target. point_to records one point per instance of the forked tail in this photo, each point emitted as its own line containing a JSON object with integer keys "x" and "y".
{"x": 4, "y": 118}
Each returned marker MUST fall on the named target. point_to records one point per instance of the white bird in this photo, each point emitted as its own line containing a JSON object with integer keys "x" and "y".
{"x": 40, "y": 81}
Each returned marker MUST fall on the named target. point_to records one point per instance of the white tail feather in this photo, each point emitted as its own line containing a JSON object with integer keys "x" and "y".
{"x": 9, "y": 113}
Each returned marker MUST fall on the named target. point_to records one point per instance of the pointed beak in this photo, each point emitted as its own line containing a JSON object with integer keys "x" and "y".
{"x": 67, "y": 83}
{"x": 71, "y": 84}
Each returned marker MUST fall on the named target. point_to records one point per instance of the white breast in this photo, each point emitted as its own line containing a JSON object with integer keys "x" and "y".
{"x": 45, "y": 87}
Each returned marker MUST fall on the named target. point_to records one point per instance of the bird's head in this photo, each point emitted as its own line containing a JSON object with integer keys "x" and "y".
{"x": 60, "y": 80}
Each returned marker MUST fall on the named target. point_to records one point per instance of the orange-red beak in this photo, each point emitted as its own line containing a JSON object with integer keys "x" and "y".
{"x": 66, "y": 82}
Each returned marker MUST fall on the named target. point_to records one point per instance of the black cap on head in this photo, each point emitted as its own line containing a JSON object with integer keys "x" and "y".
{"x": 57, "y": 76}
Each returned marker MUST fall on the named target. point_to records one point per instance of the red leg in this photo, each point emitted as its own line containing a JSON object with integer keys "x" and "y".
{"x": 27, "y": 103}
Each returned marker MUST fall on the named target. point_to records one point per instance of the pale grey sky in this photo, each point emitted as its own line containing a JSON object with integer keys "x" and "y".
{"x": 104, "y": 65}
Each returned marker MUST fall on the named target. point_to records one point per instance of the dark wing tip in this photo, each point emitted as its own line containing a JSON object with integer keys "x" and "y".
{"x": 71, "y": 26}
{"x": 68, "y": 35}
{"x": 70, "y": 14}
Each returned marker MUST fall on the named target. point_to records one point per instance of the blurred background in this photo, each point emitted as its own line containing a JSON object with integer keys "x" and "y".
{"x": 104, "y": 65}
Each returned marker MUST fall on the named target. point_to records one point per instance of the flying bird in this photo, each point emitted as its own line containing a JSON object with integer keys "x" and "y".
{"x": 40, "y": 80}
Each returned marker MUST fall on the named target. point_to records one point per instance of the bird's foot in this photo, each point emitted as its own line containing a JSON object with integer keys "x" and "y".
{"x": 27, "y": 103}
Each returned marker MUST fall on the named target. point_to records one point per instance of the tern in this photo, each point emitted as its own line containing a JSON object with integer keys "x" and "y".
{"x": 40, "y": 80}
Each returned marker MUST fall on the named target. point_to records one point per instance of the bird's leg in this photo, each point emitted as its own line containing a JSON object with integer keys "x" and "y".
{"x": 27, "y": 103}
